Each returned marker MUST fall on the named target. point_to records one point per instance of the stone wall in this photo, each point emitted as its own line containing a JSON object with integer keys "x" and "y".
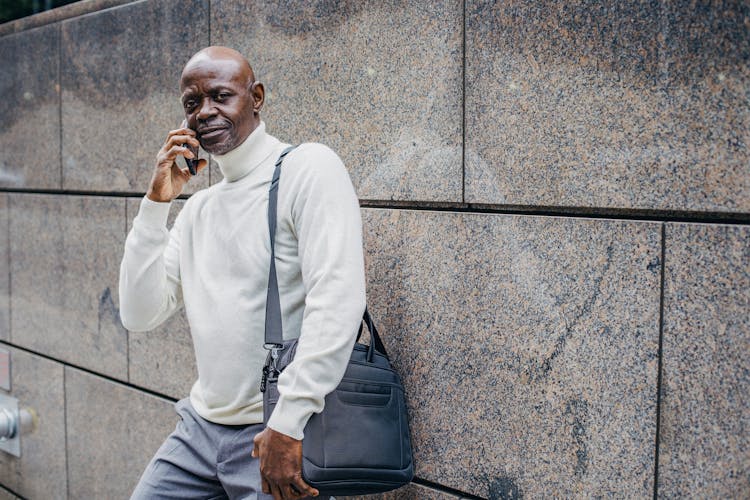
{"x": 556, "y": 199}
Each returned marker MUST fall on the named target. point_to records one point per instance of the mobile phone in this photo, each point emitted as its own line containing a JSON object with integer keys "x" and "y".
{"x": 192, "y": 163}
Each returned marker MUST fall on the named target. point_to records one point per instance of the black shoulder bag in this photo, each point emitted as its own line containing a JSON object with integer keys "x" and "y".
{"x": 359, "y": 443}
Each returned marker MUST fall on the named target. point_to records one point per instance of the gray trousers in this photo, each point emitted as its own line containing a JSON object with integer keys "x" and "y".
{"x": 203, "y": 460}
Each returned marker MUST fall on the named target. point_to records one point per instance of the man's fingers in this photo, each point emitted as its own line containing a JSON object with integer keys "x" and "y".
{"x": 181, "y": 131}
{"x": 303, "y": 488}
{"x": 266, "y": 487}
{"x": 276, "y": 492}
{"x": 179, "y": 140}
{"x": 296, "y": 492}
{"x": 171, "y": 154}
{"x": 293, "y": 494}
{"x": 184, "y": 151}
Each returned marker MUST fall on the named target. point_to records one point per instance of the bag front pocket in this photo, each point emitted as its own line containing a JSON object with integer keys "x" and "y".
{"x": 348, "y": 416}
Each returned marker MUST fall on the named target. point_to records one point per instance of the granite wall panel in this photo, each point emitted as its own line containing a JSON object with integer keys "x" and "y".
{"x": 29, "y": 109}
{"x": 4, "y": 269}
{"x": 65, "y": 257}
{"x": 527, "y": 346}
{"x": 40, "y": 472}
{"x": 635, "y": 105}
{"x": 120, "y": 90}
{"x": 163, "y": 360}
{"x": 379, "y": 82}
{"x": 112, "y": 436}
{"x": 704, "y": 446}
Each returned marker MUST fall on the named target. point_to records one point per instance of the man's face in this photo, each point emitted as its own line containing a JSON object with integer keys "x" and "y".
{"x": 218, "y": 103}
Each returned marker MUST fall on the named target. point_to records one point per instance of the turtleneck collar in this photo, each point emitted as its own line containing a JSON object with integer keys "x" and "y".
{"x": 243, "y": 159}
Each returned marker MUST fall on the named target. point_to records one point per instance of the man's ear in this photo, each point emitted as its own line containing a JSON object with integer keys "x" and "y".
{"x": 259, "y": 96}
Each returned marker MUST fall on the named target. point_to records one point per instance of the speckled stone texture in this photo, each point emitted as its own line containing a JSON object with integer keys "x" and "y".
{"x": 113, "y": 431}
{"x": 528, "y": 347}
{"x": 120, "y": 81}
{"x": 65, "y": 258}
{"x": 379, "y": 82}
{"x": 706, "y": 59}
{"x": 409, "y": 492}
{"x": 704, "y": 449}
{"x": 163, "y": 359}
{"x": 7, "y": 495}
{"x": 77, "y": 8}
{"x": 4, "y": 269}
{"x": 608, "y": 104}
{"x": 40, "y": 472}
{"x": 29, "y": 109}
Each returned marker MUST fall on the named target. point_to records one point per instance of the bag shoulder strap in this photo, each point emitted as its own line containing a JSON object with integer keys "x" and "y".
{"x": 273, "y": 334}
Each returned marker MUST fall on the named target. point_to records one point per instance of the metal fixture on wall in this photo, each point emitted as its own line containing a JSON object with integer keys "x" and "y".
{"x": 14, "y": 422}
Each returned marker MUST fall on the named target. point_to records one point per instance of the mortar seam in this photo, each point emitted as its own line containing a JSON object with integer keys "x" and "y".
{"x": 660, "y": 357}
{"x": 65, "y": 423}
{"x": 59, "y": 99}
{"x": 446, "y": 489}
{"x": 644, "y": 215}
{"x": 463, "y": 108}
{"x": 9, "y": 202}
{"x": 9, "y": 490}
{"x": 209, "y": 23}
{"x": 127, "y": 332}
{"x": 89, "y": 371}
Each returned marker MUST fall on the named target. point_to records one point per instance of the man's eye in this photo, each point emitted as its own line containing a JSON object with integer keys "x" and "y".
{"x": 189, "y": 104}
{"x": 222, "y": 97}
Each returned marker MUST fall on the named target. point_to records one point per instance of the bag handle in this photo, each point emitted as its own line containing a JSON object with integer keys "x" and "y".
{"x": 375, "y": 342}
{"x": 273, "y": 334}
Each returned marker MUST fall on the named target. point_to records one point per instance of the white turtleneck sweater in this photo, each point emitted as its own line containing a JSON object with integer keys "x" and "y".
{"x": 215, "y": 261}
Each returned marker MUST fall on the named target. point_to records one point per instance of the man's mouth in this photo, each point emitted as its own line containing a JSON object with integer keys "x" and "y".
{"x": 211, "y": 132}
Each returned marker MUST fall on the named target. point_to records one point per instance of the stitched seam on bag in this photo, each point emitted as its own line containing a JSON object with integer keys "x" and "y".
{"x": 371, "y": 365}
{"x": 387, "y": 392}
{"x": 370, "y": 382}
{"x": 348, "y": 403}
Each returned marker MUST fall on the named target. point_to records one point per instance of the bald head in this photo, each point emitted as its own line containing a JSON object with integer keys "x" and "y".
{"x": 217, "y": 52}
{"x": 221, "y": 98}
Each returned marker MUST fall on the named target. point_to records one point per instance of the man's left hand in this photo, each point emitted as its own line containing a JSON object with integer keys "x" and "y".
{"x": 281, "y": 465}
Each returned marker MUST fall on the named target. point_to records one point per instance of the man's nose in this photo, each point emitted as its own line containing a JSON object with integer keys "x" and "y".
{"x": 206, "y": 109}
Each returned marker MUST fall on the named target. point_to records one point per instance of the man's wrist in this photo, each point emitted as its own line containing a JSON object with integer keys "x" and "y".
{"x": 283, "y": 437}
{"x": 156, "y": 198}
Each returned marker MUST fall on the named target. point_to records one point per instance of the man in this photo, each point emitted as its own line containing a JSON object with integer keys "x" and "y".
{"x": 215, "y": 261}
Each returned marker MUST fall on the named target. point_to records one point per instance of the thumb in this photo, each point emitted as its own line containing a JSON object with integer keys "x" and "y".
{"x": 256, "y": 450}
{"x": 202, "y": 163}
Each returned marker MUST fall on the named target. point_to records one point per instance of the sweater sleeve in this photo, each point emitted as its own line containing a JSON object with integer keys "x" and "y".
{"x": 150, "y": 273}
{"x": 326, "y": 217}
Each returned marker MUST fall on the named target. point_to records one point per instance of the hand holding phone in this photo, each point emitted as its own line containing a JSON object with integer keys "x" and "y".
{"x": 169, "y": 178}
